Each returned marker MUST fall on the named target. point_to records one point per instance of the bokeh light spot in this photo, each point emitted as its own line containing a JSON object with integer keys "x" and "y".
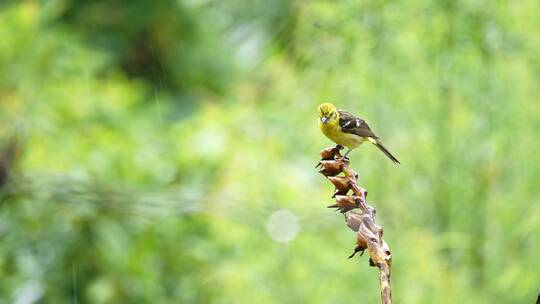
{"x": 282, "y": 226}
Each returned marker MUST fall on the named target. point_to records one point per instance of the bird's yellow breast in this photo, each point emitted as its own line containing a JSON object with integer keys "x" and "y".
{"x": 333, "y": 131}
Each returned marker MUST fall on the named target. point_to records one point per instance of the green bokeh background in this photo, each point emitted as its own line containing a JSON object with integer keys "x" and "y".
{"x": 157, "y": 138}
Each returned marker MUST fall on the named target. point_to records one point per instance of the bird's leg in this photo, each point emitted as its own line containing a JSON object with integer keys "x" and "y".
{"x": 346, "y": 153}
{"x": 337, "y": 151}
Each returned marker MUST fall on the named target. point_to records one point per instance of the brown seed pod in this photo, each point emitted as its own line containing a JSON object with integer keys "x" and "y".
{"x": 361, "y": 246}
{"x": 330, "y": 167}
{"x": 328, "y": 153}
{"x": 345, "y": 203}
{"x": 331, "y": 153}
{"x": 341, "y": 183}
{"x": 354, "y": 219}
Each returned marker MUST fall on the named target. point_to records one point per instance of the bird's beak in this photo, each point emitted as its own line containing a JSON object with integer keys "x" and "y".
{"x": 324, "y": 119}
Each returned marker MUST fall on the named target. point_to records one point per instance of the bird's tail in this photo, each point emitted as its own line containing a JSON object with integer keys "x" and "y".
{"x": 381, "y": 147}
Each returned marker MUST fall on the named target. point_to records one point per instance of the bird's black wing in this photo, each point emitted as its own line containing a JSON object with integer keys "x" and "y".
{"x": 354, "y": 125}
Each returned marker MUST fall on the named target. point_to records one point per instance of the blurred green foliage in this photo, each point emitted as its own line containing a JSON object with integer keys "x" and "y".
{"x": 152, "y": 140}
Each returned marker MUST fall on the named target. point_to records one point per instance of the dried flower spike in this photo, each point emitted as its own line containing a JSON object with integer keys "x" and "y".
{"x": 368, "y": 234}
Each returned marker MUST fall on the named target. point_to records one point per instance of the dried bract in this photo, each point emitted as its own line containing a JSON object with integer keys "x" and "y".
{"x": 345, "y": 203}
{"x": 330, "y": 167}
{"x": 341, "y": 183}
{"x": 331, "y": 153}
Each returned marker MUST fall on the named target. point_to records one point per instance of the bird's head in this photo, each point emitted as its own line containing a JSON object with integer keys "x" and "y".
{"x": 327, "y": 113}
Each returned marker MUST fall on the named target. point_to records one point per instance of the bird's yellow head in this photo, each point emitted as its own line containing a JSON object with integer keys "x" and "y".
{"x": 328, "y": 113}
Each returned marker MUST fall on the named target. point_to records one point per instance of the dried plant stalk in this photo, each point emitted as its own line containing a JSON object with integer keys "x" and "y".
{"x": 368, "y": 234}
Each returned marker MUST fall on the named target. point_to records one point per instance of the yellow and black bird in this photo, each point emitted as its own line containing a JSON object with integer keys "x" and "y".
{"x": 347, "y": 130}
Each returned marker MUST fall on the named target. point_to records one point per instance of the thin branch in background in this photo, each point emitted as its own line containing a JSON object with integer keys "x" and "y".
{"x": 368, "y": 233}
